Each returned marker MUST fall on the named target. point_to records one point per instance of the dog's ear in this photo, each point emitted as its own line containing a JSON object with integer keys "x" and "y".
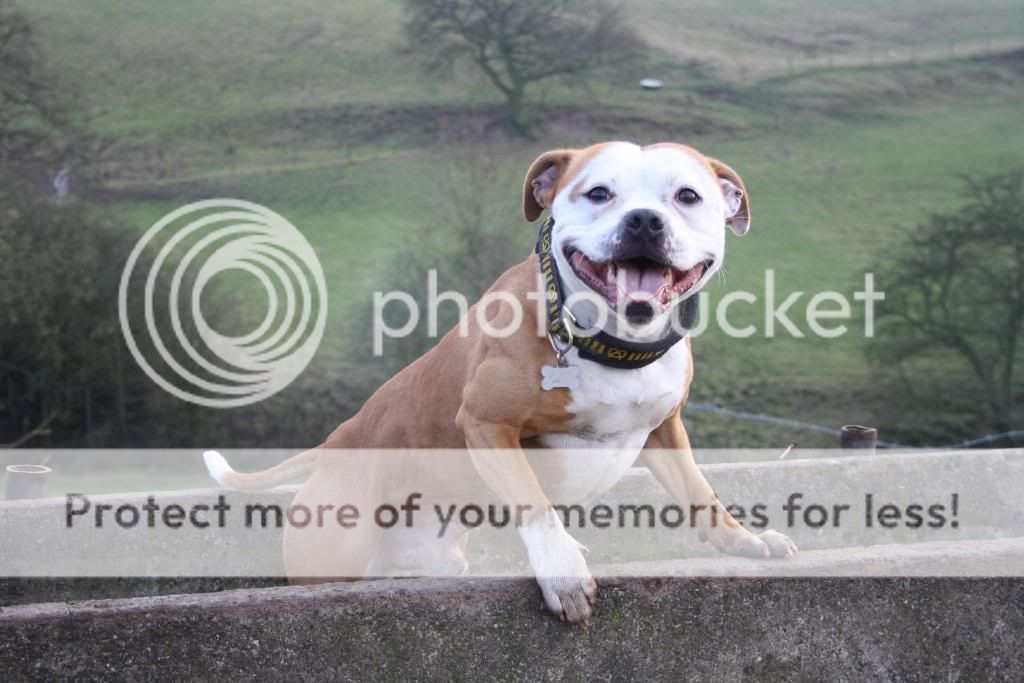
{"x": 737, "y": 206}
{"x": 542, "y": 181}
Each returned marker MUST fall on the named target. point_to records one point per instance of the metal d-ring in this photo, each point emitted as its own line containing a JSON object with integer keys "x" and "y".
{"x": 561, "y": 341}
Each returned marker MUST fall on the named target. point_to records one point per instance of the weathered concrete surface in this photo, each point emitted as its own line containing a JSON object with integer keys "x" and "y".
{"x": 977, "y": 559}
{"x": 645, "y": 629}
{"x": 982, "y": 558}
{"x": 25, "y": 591}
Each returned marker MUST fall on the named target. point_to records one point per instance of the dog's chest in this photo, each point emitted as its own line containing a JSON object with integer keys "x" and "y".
{"x": 612, "y": 405}
{"x": 614, "y": 411}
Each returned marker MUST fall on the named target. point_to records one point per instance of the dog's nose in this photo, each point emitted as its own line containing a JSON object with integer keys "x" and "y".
{"x": 643, "y": 224}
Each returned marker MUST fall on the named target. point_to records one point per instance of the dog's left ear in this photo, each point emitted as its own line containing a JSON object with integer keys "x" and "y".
{"x": 737, "y": 206}
{"x": 542, "y": 181}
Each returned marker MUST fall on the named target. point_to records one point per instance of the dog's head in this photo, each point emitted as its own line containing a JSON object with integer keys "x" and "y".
{"x": 642, "y": 227}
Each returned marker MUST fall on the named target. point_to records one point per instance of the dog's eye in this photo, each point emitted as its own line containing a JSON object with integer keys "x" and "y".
{"x": 687, "y": 196}
{"x": 599, "y": 194}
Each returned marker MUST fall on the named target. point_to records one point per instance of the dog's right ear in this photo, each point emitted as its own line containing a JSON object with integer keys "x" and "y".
{"x": 542, "y": 181}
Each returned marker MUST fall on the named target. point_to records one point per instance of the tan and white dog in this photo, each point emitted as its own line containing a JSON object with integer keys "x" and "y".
{"x": 641, "y": 229}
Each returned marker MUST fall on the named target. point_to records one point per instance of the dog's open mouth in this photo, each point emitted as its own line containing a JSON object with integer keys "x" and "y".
{"x": 638, "y": 279}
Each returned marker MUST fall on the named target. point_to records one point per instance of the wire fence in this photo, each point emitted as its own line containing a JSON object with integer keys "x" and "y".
{"x": 988, "y": 439}
{"x": 817, "y": 58}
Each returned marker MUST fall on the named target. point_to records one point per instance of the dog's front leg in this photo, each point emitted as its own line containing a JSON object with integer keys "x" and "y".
{"x": 668, "y": 455}
{"x": 556, "y": 557}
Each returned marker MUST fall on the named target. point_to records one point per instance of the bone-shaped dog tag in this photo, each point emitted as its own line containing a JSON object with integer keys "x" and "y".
{"x": 558, "y": 377}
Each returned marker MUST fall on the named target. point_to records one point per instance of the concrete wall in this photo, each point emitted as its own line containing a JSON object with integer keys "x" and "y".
{"x": 717, "y": 629}
{"x": 706, "y": 618}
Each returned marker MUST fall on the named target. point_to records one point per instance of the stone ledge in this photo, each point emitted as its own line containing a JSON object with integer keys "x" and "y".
{"x": 720, "y": 628}
{"x": 989, "y": 558}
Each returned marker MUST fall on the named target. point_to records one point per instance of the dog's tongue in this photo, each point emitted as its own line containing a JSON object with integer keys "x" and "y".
{"x": 643, "y": 283}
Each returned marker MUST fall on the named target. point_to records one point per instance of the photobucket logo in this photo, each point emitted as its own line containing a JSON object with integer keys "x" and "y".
{"x": 739, "y": 314}
{"x": 207, "y": 239}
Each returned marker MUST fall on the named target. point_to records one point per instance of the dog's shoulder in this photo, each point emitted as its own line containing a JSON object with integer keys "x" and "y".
{"x": 519, "y": 279}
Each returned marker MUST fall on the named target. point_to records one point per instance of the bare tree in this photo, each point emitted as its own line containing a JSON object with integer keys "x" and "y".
{"x": 955, "y": 298}
{"x": 516, "y": 43}
{"x": 30, "y": 109}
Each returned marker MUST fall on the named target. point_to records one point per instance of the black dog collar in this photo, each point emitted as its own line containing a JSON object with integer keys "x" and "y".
{"x": 602, "y": 347}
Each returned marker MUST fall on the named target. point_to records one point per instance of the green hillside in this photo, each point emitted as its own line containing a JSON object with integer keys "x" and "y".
{"x": 849, "y": 123}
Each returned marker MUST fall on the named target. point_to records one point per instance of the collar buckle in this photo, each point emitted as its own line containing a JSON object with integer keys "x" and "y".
{"x": 560, "y": 335}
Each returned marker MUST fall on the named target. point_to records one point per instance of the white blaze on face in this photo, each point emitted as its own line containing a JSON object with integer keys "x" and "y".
{"x": 640, "y": 178}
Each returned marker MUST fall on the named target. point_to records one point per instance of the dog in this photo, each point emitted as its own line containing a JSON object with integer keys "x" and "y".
{"x": 634, "y": 233}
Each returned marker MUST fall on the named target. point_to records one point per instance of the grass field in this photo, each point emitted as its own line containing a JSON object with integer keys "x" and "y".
{"x": 849, "y": 123}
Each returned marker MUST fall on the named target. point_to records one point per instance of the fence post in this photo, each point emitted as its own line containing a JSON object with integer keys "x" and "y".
{"x": 858, "y": 437}
{"x": 26, "y": 481}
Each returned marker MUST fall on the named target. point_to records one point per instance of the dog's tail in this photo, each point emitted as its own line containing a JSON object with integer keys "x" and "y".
{"x": 292, "y": 468}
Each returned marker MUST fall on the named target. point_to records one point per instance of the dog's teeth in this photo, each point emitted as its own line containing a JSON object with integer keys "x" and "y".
{"x": 610, "y": 273}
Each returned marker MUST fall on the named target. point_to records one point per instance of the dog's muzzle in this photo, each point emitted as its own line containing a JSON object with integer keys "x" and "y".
{"x": 639, "y": 272}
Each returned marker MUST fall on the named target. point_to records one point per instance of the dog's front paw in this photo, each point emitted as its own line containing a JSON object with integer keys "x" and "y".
{"x": 557, "y": 559}
{"x": 779, "y": 545}
{"x": 768, "y": 544}
{"x": 572, "y": 598}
